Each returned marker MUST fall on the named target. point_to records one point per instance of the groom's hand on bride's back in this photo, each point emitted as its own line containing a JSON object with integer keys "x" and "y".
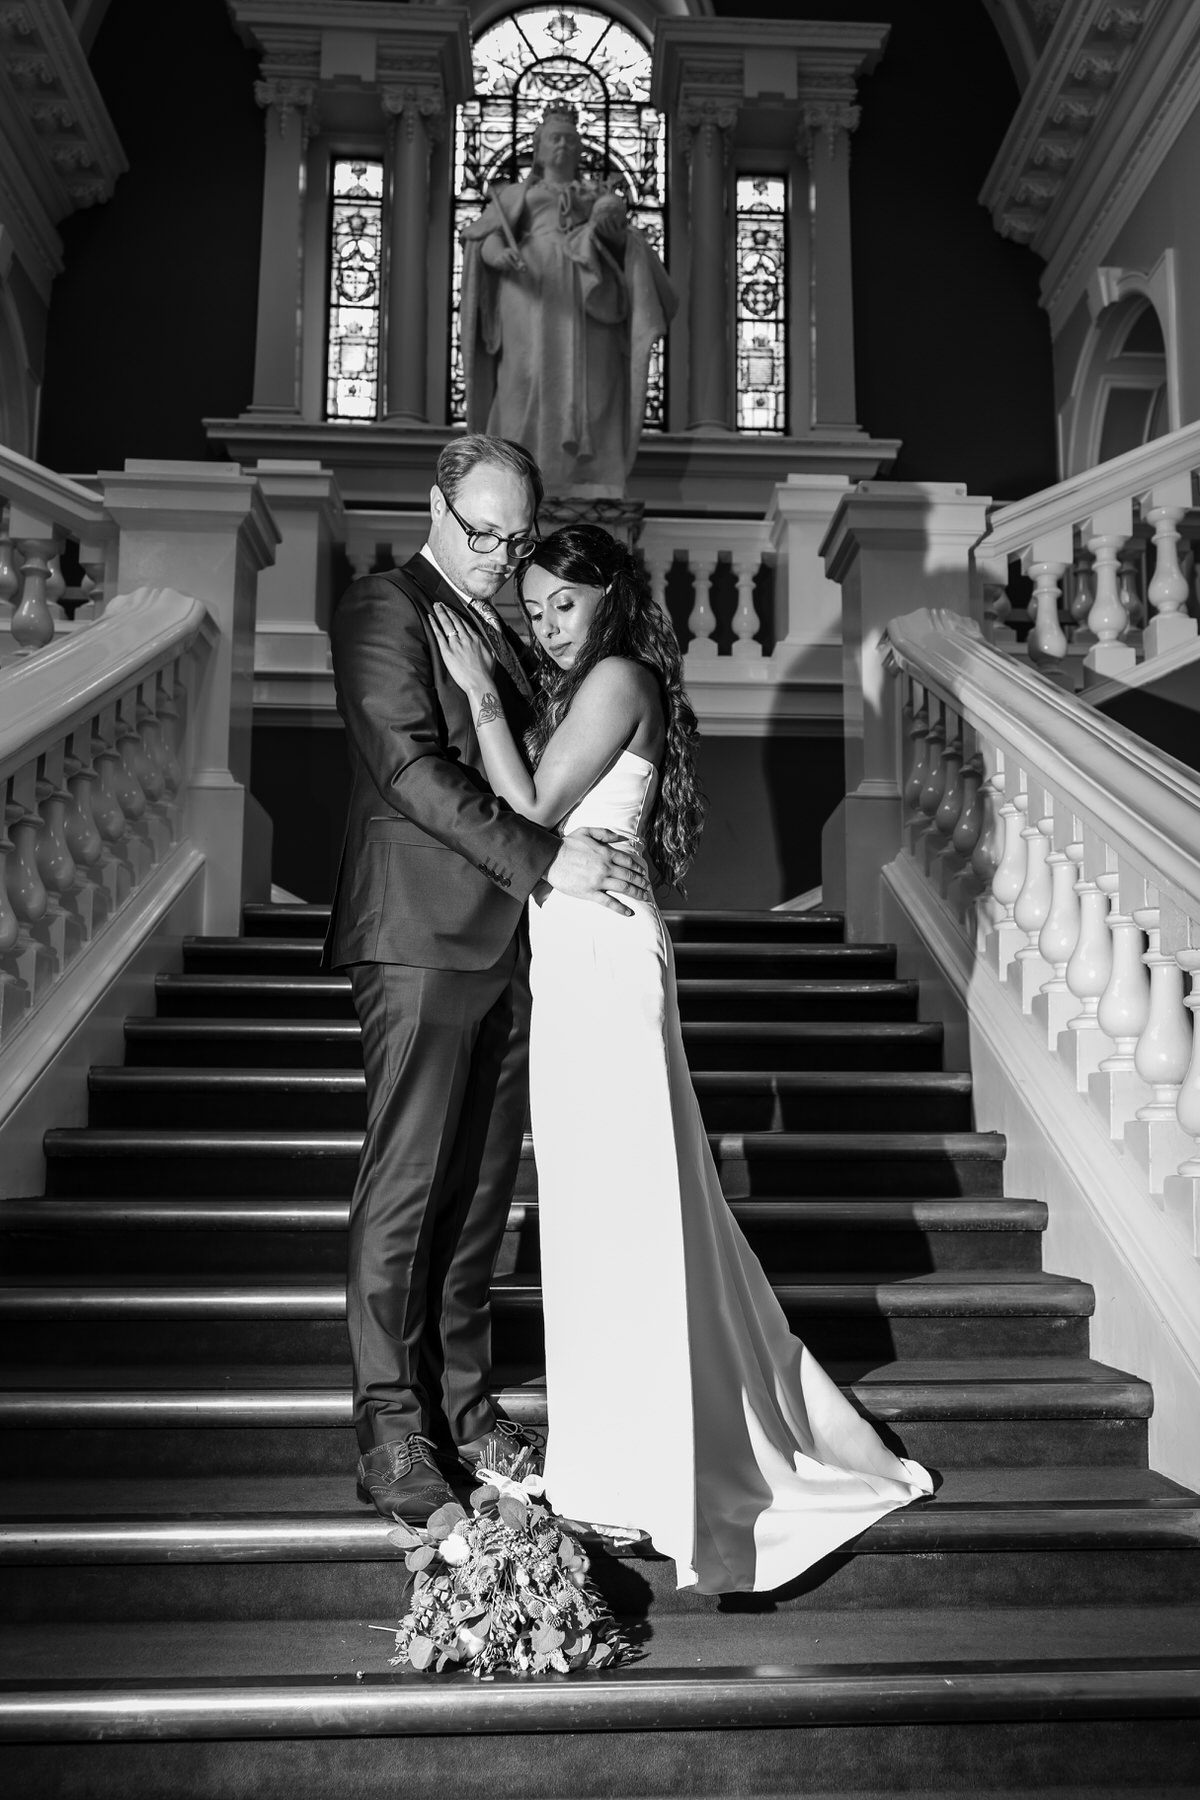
{"x": 595, "y": 864}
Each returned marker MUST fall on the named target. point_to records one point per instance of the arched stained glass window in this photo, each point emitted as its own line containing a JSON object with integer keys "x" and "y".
{"x": 576, "y": 55}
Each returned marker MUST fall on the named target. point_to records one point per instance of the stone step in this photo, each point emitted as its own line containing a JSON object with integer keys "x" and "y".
{"x": 156, "y": 1419}
{"x": 328, "y": 996}
{"x": 728, "y": 959}
{"x": 333, "y": 1099}
{"x": 765, "y": 1045}
{"x": 751, "y": 1164}
{"x": 981, "y": 1313}
{"x": 307, "y": 919}
{"x": 112, "y": 1552}
{"x": 1105, "y": 1696}
{"x": 263, "y": 1234}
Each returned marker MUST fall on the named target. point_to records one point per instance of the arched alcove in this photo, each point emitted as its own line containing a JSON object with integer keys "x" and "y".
{"x": 1125, "y": 391}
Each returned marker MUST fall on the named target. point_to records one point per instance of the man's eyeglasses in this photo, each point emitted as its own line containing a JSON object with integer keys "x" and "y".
{"x": 519, "y": 546}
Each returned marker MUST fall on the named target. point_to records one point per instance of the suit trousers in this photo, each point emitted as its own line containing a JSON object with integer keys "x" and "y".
{"x": 446, "y": 1056}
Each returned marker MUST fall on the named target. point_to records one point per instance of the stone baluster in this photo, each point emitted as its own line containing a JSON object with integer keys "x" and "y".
{"x": 1045, "y": 562}
{"x": 38, "y": 962}
{"x": 931, "y": 785}
{"x": 977, "y": 879}
{"x": 83, "y": 832}
{"x": 170, "y": 697}
{"x": 657, "y": 560}
{"x": 707, "y": 123}
{"x": 1083, "y": 1044}
{"x": 15, "y": 989}
{"x": 1163, "y": 508}
{"x": 1031, "y": 908}
{"x": 745, "y": 620}
{"x": 10, "y": 581}
{"x": 1161, "y": 1059}
{"x": 93, "y": 559}
{"x": 997, "y": 607}
{"x": 32, "y": 621}
{"x": 702, "y": 620}
{"x": 1108, "y": 532}
{"x": 918, "y": 767}
{"x": 1116, "y": 1089}
{"x": 56, "y": 587}
{"x": 1054, "y": 1005}
{"x": 1181, "y": 1192}
{"x": 1006, "y": 937}
{"x": 1082, "y": 595}
{"x": 108, "y": 810}
{"x": 1130, "y": 588}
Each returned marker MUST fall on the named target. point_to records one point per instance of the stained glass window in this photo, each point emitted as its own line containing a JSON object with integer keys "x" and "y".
{"x": 583, "y": 58}
{"x": 352, "y": 379}
{"x": 761, "y": 253}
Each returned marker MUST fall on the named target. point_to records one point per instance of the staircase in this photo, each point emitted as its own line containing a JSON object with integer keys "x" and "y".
{"x": 188, "y": 1578}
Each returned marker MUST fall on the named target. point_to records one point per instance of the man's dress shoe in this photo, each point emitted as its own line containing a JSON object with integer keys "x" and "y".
{"x": 402, "y": 1481}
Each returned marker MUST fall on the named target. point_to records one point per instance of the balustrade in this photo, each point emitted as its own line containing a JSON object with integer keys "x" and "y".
{"x": 1074, "y": 876}
{"x": 92, "y": 778}
{"x": 40, "y": 513}
{"x": 1087, "y": 545}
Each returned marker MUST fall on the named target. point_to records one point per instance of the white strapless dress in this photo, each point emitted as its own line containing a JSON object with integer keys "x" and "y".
{"x": 680, "y": 1403}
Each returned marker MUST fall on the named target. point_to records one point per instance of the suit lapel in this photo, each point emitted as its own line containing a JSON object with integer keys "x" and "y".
{"x": 501, "y": 642}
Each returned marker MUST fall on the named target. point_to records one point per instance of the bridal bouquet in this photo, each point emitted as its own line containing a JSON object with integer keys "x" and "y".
{"x": 502, "y": 1587}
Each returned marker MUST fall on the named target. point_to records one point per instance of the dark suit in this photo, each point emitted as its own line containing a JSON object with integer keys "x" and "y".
{"x": 427, "y": 918}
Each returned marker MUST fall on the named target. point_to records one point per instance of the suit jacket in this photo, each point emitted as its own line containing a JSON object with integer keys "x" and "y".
{"x": 435, "y": 868}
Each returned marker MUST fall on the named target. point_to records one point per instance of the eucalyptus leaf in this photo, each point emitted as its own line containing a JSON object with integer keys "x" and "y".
{"x": 421, "y": 1557}
{"x": 420, "y": 1652}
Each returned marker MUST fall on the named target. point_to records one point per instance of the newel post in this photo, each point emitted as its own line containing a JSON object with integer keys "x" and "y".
{"x": 894, "y": 547}
{"x": 206, "y": 530}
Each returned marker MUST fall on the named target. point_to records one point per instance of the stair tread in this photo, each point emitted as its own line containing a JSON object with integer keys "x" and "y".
{"x": 967, "y": 1291}
{"x": 261, "y": 912}
{"x": 101, "y": 1211}
{"x": 127, "y": 1140}
{"x": 216, "y": 947}
{"x": 913, "y": 1030}
{"x": 181, "y": 1078}
{"x": 932, "y": 1644}
{"x": 1009, "y": 1491}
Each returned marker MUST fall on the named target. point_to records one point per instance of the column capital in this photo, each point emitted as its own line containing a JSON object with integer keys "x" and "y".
{"x": 826, "y": 120}
{"x": 704, "y": 116}
{"x": 410, "y": 104}
{"x": 282, "y": 95}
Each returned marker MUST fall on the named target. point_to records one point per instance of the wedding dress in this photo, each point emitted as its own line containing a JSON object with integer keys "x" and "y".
{"x": 680, "y": 1403}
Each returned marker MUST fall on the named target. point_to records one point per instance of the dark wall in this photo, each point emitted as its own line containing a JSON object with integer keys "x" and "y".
{"x": 152, "y": 321}
{"x": 952, "y": 349}
{"x": 768, "y": 799}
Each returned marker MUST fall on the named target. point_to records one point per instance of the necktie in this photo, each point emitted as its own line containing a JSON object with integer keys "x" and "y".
{"x": 487, "y": 613}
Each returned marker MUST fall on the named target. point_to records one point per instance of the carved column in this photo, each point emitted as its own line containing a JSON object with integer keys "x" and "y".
{"x": 289, "y": 122}
{"x": 706, "y": 123}
{"x": 824, "y": 139}
{"x": 416, "y": 118}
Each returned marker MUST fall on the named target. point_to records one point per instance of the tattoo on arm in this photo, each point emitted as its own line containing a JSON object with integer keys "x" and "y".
{"x": 489, "y": 710}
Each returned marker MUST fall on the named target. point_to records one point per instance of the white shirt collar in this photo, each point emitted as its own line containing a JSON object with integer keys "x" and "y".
{"x": 427, "y": 553}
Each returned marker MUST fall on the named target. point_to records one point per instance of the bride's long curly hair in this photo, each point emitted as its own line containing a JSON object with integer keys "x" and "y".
{"x": 628, "y": 623}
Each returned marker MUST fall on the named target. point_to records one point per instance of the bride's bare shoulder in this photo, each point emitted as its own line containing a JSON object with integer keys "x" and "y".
{"x": 616, "y": 676}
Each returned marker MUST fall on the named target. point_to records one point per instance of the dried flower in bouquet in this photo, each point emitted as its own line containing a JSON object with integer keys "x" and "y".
{"x": 503, "y": 1587}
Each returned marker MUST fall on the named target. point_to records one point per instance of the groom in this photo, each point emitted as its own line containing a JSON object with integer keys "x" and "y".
{"x": 427, "y": 921}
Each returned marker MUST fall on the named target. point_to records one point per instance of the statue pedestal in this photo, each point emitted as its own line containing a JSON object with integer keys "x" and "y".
{"x": 622, "y": 518}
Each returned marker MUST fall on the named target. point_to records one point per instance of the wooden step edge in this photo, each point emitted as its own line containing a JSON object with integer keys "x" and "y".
{"x": 180, "y": 1078}
{"x": 953, "y": 1213}
{"x": 259, "y": 911}
{"x": 909, "y": 1031}
{"x": 727, "y": 1146}
{"x": 301, "y": 1407}
{"x": 362, "y": 1537}
{"x": 991, "y": 1296}
{"x": 865, "y": 987}
{"x": 642, "y": 1699}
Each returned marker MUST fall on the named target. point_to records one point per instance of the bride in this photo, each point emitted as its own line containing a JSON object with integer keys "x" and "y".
{"x": 747, "y": 1464}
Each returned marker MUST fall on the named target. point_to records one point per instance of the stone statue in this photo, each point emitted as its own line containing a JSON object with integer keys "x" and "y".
{"x": 563, "y": 300}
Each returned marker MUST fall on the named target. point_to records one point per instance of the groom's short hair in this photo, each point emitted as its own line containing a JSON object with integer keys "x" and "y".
{"x": 463, "y": 454}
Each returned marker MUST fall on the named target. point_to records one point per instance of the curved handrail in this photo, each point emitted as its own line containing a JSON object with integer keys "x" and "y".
{"x": 64, "y": 503}
{"x": 1140, "y": 801}
{"x": 42, "y": 698}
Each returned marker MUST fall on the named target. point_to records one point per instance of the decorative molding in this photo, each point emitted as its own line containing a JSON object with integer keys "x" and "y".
{"x": 411, "y": 105}
{"x": 779, "y": 65}
{"x": 826, "y": 120}
{"x": 394, "y": 45}
{"x": 703, "y": 119}
{"x": 1121, "y": 80}
{"x": 58, "y": 147}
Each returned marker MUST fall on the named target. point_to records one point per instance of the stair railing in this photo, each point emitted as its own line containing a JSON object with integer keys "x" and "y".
{"x": 41, "y": 513}
{"x": 1067, "y": 853}
{"x": 95, "y": 763}
{"x": 1111, "y": 565}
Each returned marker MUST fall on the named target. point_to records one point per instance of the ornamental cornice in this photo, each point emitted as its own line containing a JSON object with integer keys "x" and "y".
{"x": 281, "y": 97}
{"x": 772, "y": 62}
{"x": 333, "y": 42}
{"x": 1122, "y": 135}
{"x": 58, "y": 129}
{"x": 1089, "y": 49}
{"x": 412, "y": 104}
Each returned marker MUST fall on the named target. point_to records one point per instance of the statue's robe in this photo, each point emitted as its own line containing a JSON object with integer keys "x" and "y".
{"x": 557, "y": 355}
